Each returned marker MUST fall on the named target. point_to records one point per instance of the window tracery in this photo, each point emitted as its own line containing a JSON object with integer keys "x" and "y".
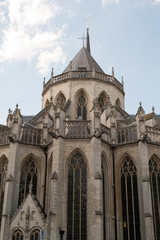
{"x": 17, "y": 235}
{"x": 3, "y": 172}
{"x": 77, "y": 198}
{"x": 102, "y": 102}
{"x": 154, "y": 171}
{"x": 130, "y": 204}
{"x": 29, "y": 175}
{"x": 82, "y": 107}
{"x": 61, "y": 100}
{"x": 35, "y": 234}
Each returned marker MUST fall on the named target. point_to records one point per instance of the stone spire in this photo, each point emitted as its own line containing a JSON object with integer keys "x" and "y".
{"x": 88, "y": 41}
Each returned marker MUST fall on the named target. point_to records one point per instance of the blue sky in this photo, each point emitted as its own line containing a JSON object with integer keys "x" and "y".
{"x": 38, "y": 35}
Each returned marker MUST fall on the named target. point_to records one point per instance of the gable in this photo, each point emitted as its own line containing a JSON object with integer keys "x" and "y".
{"x": 29, "y": 215}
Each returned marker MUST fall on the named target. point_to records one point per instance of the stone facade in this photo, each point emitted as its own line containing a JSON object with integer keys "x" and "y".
{"x": 82, "y": 168}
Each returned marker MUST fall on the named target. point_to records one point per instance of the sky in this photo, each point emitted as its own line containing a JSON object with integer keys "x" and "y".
{"x": 38, "y": 35}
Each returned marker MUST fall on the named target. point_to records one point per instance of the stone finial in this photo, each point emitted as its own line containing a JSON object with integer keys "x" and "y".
{"x": 70, "y": 66}
{"x": 44, "y": 81}
{"x": 153, "y": 109}
{"x": 52, "y": 73}
{"x": 112, "y": 71}
{"x": 140, "y": 109}
{"x": 17, "y": 111}
{"x": 122, "y": 81}
{"x": 9, "y": 111}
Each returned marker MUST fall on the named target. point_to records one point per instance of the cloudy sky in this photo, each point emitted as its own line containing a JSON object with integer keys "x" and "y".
{"x": 38, "y": 35}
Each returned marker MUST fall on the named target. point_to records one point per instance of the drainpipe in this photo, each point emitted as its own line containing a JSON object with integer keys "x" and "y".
{"x": 45, "y": 179}
{"x": 114, "y": 192}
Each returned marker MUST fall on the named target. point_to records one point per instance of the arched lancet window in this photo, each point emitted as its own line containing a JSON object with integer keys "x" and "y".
{"x": 17, "y": 235}
{"x": 29, "y": 174}
{"x": 46, "y": 103}
{"x": 77, "y": 198}
{"x": 102, "y": 101}
{"x": 82, "y": 107}
{"x": 3, "y": 172}
{"x": 130, "y": 204}
{"x": 61, "y": 100}
{"x": 35, "y": 234}
{"x": 104, "y": 194}
{"x": 154, "y": 171}
{"x": 118, "y": 103}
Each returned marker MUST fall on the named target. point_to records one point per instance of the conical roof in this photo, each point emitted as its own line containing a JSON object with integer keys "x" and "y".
{"x": 83, "y": 59}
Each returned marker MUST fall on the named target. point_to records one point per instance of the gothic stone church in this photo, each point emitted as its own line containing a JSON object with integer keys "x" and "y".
{"x": 82, "y": 168}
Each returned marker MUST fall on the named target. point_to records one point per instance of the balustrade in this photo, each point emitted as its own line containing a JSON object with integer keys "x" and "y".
{"x": 126, "y": 135}
{"x": 31, "y": 135}
{"x": 77, "y": 129}
{"x": 4, "y": 136}
{"x": 86, "y": 74}
{"x": 153, "y": 134}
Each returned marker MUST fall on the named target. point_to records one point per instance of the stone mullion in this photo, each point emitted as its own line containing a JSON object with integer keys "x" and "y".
{"x": 133, "y": 207}
{"x": 128, "y": 230}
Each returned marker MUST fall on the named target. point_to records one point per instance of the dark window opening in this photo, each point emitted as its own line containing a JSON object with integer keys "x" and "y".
{"x": 154, "y": 171}
{"x": 77, "y": 198}
{"x": 28, "y": 176}
{"x": 35, "y": 235}
{"x": 82, "y": 108}
{"x": 82, "y": 69}
{"x": 17, "y": 235}
{"x": 130, "y": 204}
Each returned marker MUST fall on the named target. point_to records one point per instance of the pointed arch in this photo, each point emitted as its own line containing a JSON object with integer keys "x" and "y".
{"x": 82, "y": 100}
{"x": 60, "y": 100}
{"x": 77, "y": 197}
{"x": 35, "y": 234}
{"x": 29, "y": 174}
{"x": 102, "y": 100}
{"x": 3, "y": 173}
{"x": 118, "y": 103}
{"x": 130, "y": 202}
{"x": 46, "y": 103}
{"x": 17, "y": 234}
{"x": 154, "y": 174}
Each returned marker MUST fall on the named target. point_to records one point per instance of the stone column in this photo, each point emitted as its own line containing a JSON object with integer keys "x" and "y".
{"x": 57, "y": 186}
{"x": 146, "y": 206}
{"x": 94, "y": 210}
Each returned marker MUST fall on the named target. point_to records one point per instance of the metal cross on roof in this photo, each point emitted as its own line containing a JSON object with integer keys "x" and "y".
{"x": 83, "y": 38}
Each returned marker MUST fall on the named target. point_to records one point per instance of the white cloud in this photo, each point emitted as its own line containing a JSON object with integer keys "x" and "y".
{"x": 28, "y": 35}
{"x": 2, "y": 16}
{"x": 44, "y": 59}
{"x": 71, "y": 13}
{"x": 104, "y": 2}
{"x": 157, "y": 1}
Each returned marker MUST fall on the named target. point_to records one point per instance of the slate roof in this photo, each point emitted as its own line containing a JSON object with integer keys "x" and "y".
{"x": 83, "y": 59}
{"x": 27, "y": 118}
{"x": 127, "y": 116}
